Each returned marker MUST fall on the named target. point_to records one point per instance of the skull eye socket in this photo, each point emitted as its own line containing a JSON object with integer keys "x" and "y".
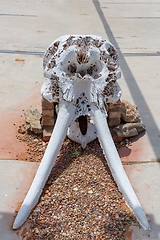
{"x": 92, "y": 69}
{"x": 72, "y": 68}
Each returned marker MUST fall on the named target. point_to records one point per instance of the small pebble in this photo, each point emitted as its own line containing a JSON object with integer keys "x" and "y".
{"x": 80, "y": 199}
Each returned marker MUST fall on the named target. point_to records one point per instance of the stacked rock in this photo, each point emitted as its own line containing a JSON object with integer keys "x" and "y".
{"x": 48, "y": 119}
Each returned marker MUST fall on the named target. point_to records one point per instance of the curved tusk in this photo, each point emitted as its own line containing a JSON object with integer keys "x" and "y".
{"x": 116, "y": 167}
{"x": 65, "y": 117}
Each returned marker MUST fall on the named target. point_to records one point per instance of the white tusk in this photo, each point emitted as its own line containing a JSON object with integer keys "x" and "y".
{"x": 116, "y": 166}
{"x": 65, "y": 117}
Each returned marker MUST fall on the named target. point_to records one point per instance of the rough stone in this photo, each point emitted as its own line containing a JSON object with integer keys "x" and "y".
{"x": 115, "y": 105}
{"x": 33, "y": 120}
{"x": 129, "y": 129}
{"x": 96, "y": 212}
{"x": 114, "y": 122}
{"x": 114, "y": 135}
{"x": 129, "y": 112}
{"x": 48, "y": 121}
{"x": 47, "y": 113}
{"x": 117, "y": 138}
{"x": 114, "y": 114}
{"x": 22, "y": 131}
{"x": 46, "y": 104}
{"x": 47, "y": 132}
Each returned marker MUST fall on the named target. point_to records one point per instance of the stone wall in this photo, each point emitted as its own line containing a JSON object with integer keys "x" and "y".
{"x": 49, "y": 118}
{"x": 114, "y": 118}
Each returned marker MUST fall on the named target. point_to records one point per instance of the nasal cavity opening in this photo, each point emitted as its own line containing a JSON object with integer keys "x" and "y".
{"x": 83, "y": 124}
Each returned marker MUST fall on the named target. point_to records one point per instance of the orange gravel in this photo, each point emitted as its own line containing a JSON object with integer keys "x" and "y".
{"x": 80, "y": 199}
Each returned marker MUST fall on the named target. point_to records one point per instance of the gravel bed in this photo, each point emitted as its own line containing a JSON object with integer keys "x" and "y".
{"x": 80, "y": 199}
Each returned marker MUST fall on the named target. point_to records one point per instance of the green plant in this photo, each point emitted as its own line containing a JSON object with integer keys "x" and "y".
{"x": 74, "y": 154}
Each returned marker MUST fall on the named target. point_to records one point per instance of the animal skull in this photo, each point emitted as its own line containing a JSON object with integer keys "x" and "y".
{"x": 81, "y": 70}
{"x": 81, "y": 74}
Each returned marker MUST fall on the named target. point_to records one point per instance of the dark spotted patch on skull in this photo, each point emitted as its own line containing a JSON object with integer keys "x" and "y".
{"x": 105, "y": 56}
{"x": 111, "y": 50}
{"x": 72, "y": 68}
{"x": 82, "y": 104}
{"x": 70, "y": 40}
{"x": 64, "y": 46}
{"x": 52, "y": 63}
{"x": 91, "y": 69}
{"x": 49, "y": 53}
{"x": 68, "y": 75}
{"x": 112, "y": 67}
{"x": 97, "y": 76}
{"x": 97, "y": 43}
{"x": 82, "y": 55}
{"x": 54, "y": 85}
{"x": 109, "y": 89}
{"x": 111, "y": 77}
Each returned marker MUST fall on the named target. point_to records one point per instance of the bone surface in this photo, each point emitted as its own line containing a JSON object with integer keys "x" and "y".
{"x": 81, "y": 76}
{"x": 82, "y": 70}
{"x": 116, "y": 167}
{"x": 65, "y": 117}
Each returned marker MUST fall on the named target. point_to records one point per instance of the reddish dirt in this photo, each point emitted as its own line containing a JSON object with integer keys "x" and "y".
{"x": 128, "y": 234}
{"x": 138, "y": 151}
{"x": 20, "y": 60}
{"x": 24, "y": 230}
{"x": 10, "y": 147}
{"x": 14, "y": 203}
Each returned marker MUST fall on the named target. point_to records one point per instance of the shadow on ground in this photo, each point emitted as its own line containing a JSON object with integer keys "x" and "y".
{"x": 135, "y": 91}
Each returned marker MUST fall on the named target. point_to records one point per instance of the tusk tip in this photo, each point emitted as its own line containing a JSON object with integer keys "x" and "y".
{"x": 16, "y": 224}
{"x": 21, "y": 217}
{"x": 145, "y": 225}
{"x": 141, "y": 217}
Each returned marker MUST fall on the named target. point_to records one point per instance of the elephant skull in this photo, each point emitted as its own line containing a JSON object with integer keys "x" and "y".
{"x": 81, "y": 73}
{"x": 81, "y": 70}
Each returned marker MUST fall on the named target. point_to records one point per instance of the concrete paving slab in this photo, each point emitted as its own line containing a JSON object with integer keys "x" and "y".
{"x": 21, "y": 52}
{"x": 130, "y": 32}
{"x": 145, "y": 181}
{"x": 139, "y": 151}
{"x": 15, "y": 180}
{"x": 21, "y": 79}
{"x": 28, "y": 28}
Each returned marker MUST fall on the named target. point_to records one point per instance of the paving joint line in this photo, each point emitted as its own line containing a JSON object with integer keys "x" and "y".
{"x": 141, "y": 162}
